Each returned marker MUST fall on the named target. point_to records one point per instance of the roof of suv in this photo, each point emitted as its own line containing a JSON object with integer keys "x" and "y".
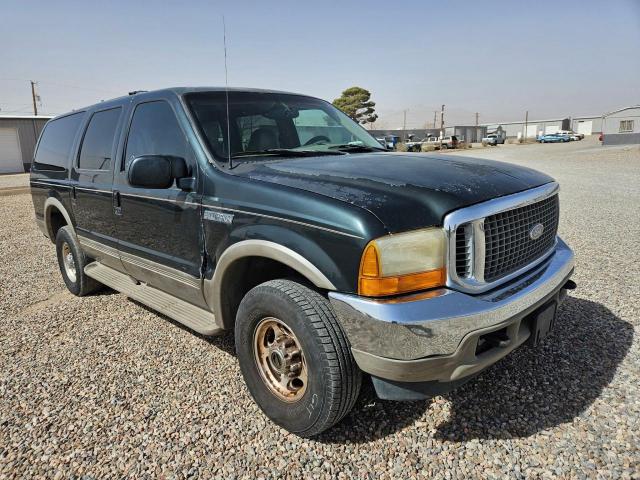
{"x": 177, "y": 91}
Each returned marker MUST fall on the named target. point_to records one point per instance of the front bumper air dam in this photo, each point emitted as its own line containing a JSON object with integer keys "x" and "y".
{"x": 418, "y": 342}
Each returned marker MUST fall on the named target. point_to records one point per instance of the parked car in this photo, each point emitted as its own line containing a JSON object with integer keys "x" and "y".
{"x": 553, "y": 138}
{"x": 572, "y": 135}
{"x": 450, "y": 141}
{"x": 493, "y": 139}
{"x": 328, "y": 257}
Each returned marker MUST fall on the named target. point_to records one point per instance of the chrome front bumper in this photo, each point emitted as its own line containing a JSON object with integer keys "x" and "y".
{"x": 432, "y": 336}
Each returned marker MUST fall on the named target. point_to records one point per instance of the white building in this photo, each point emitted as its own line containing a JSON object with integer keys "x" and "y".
{"x": 533, "y": 127}
{"x": 621, "y": 126}
{"x": 18, "y": 138}
{"x": 587, "y": 125}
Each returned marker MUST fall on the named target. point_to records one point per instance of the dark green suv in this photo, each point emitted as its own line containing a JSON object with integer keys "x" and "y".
{"x": 276, "y": 216}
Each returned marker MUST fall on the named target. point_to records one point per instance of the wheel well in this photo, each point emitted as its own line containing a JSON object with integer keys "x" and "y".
{"x": 246, "y": 273}
{"x": 55, "y": 222}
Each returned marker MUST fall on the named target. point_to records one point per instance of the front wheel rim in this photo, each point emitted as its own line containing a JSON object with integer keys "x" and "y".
{"x": 280, "y": 360}
{"x": 68, "y": 262}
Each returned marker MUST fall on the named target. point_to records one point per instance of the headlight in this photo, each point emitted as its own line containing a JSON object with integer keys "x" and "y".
{"x": 403, "y": 262}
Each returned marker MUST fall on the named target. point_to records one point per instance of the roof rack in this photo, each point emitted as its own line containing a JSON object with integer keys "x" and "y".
{"x": 137, "y": 91}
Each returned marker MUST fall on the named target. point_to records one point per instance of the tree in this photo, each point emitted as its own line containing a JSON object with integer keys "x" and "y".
{"x": 356, "y": 102}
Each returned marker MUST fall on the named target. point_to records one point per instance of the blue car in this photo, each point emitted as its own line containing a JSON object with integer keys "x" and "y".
{"x": 553, "y": 138}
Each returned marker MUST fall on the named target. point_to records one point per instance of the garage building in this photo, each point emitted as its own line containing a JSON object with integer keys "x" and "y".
{"x": 18, "y": 137}
{"x": 621, "y": 127}
{"x": 464, "y": 132}
{"x": 588, "y": 125}
{"x": 533, "y": 127}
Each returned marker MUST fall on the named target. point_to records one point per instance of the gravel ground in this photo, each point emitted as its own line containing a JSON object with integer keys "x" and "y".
{"x": 101, "y": 387}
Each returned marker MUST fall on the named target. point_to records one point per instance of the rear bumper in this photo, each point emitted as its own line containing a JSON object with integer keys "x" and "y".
{"x": 433, "y": 336}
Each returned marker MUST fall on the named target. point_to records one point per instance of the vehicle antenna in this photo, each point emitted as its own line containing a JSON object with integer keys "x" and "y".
{"x": 226, "y": 89}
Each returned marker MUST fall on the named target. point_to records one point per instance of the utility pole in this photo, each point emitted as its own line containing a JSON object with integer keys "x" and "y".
{"x": 526, "y": 123}
{"x": 441, "y": 126}
{"x": 33, "y": 97}
{"x": 435, "y": 117}
{"x": 477, "y": 115}
{"x": 404, "y": 125}
{"x": 475, "y": 134}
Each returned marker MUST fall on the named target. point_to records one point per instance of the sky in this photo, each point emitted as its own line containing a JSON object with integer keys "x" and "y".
{"x": 498, "y": 58}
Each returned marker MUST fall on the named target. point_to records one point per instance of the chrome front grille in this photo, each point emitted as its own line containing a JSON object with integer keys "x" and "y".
{"x": 494, "y": 241}
{"x": 508, "y": 244}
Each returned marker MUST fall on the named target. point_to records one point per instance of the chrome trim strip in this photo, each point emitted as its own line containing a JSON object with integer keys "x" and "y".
{"x": 479, "y": 252}
{"x": 311, "y": 225}
{"x": 435, "y": 323}
{"x": 97, "y": 190}
{"x": 48, "y": 184}
{"x": 475, "y": 215}
{"x": 183, "y": 202}
{"x": 170, "y": 200}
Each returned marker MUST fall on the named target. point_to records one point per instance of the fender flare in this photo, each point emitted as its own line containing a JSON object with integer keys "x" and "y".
{"x": 258, "y": 248}
{"x": 48, "y": 205}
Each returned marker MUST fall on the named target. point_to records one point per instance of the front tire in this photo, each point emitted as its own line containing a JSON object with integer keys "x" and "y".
{"x": 72, "y": 261}
{"x": 295, "y": 357}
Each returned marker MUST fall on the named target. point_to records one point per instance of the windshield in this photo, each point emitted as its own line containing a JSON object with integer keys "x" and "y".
{"x": 275, "y": 123}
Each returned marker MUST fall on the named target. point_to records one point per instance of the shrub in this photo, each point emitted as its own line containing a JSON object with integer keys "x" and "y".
{"x": 401, "y": 147}
{"x": 427, "y": 148}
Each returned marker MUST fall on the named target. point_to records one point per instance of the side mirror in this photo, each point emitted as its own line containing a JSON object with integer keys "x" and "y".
{"x": 156, "y": 171}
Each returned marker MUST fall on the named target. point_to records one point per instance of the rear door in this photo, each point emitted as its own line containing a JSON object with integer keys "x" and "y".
{"x": 91, "y": 196}
{"x": 159, "y": 230}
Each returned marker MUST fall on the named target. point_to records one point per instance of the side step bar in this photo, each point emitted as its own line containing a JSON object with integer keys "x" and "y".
{"x": 196, "y": 318}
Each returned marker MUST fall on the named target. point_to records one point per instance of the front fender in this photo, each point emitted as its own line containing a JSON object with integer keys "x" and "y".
{"x": 259, "y": 248}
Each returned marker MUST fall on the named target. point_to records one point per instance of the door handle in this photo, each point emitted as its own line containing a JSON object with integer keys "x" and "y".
{"x": 117, "y": 204}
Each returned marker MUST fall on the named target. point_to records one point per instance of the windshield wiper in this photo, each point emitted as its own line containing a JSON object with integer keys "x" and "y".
{"x": 352, "y": 147}
{"x": 284, "y": 152}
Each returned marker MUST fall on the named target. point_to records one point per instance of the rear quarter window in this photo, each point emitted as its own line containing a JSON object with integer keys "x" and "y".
{"x": 56, "y": 141}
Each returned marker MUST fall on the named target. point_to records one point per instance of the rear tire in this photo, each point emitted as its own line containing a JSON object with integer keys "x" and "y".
{"x": 295, "y": 357}
{"x": 72, "y": 261}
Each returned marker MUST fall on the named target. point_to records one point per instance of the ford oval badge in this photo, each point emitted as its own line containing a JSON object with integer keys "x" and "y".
{"x": 536, "y": 231}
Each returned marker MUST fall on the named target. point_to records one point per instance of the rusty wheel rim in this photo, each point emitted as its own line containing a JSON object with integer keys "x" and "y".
{"x": 280, "y": 359}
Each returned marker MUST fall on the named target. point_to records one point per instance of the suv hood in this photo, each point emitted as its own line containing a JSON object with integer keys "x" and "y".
{"x": 405, "y": 191}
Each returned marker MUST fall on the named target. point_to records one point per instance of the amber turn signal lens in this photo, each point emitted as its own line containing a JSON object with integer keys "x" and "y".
{"x": 370, "y": 265}
{"x": 382, "y": 286}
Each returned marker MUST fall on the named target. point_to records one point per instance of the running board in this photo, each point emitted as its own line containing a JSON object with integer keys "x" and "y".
{"x": 196, "y": 318}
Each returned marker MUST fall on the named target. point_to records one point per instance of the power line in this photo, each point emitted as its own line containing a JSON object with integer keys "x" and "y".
{"x": 66, "y": 85}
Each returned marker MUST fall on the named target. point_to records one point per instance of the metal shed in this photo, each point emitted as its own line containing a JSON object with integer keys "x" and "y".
{"x": 18, "y": 138}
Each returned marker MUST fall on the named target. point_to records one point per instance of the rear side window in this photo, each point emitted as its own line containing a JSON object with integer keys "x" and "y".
{"x": 57, "y": 140}
{"x": 155, "y": 131}
{"x": 97, "y": 145}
